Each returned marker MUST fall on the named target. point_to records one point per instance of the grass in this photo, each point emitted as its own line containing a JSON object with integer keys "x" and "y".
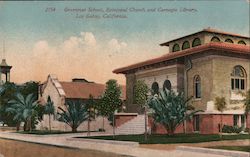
{"x": 166, "y": 139}
{"x": 47, "y": 132}
{"x": 237, "y": 148}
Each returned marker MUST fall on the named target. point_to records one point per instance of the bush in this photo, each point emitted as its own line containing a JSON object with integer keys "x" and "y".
{"x": 246, "y": 130}
{"x": 231, "y": 129}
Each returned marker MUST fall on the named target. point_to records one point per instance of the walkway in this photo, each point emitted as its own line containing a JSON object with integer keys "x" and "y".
{"x": 63, "y": 140}
{"x": 245, "y": 142}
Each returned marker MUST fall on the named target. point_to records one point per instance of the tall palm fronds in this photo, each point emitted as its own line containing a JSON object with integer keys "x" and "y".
{"x": 170, "y": 109}
{"x": 75, "y": 113}
{"x": 23, "y": 108}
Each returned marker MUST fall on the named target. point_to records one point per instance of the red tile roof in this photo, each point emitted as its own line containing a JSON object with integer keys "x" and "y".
{"x": 209, "y": 30}
{"x": 82, "y": 90}
{"x": 236, "y": 48}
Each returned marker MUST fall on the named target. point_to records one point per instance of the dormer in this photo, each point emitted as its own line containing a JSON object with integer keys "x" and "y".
{"x": 203, "y": 37}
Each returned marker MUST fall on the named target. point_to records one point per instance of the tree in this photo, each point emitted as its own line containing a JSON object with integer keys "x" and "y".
{"x": 8, "y": 93}
{"x": 247, "y": 102}
{"x": 75, "y": 113}
{"x": 170, "y": 109}
{"x": 140, "y": 97}
{"x": 220, "y": 104}
{"x": 91, "y": 111}
{"x": 49, "y": 109}
{"x": 24, "y": 108}
{"x": 110, "y": 101}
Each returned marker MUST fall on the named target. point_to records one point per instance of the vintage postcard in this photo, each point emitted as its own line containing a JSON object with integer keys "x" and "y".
{"x": 132, "y": 78}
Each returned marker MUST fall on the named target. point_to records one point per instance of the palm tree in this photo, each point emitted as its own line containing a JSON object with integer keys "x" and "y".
{"x": 24, "y": 108}
{"x": 170, "y": 109}
{"x": 75, "y": 113}
{"x": 220, "y": 104}
{"x": 49, "y": 110}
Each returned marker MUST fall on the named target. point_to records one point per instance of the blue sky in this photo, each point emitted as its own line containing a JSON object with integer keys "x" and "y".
{"x": 26, "y": 27}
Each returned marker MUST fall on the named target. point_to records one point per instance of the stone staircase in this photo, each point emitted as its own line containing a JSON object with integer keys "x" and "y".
{"x": 133, "y": 126}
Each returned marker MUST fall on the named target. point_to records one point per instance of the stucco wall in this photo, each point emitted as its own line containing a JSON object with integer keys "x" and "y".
{"x": 222, "y": 69}
{"x": 203, "y": 68}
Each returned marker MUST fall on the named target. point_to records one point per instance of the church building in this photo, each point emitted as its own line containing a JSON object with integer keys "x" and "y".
{"x": 205, "y": 65}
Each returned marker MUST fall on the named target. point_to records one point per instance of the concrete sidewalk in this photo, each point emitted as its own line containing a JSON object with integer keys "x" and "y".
{"x": 66, "y": 140}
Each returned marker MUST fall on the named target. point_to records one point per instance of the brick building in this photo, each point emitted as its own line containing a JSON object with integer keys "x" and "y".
{"x": 205, "y": 64}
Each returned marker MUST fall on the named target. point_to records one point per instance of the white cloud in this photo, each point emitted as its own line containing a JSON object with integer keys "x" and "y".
{"x": 88, "y": 38}
{"x": 116, "y": 46}
{"x": 81, "y": 56}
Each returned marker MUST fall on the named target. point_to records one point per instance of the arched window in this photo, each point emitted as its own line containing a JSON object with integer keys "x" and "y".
{"x": 155, "y": 88}
{"x": 229, "y": 41}
{"x": 238, "y": 78}
{"x": 185, "y": 45}
{"x": 242, "y": 42}
{"x": 215, "y": 39}
{"x": 196, "y": 42}
{"x": 197, "y": 86}
{"x": 176, "y": 47}
{"x": 167, "y": 85}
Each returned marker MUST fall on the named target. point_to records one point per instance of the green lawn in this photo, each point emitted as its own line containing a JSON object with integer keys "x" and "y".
{"x": 237, "y": 148}
{"x": 47, "y": 132}
{"x": 165, "y": 139}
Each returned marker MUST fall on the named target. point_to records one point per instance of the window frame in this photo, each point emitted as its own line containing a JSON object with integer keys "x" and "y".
{"x": 197, "y": 87}
{"x": 194, "y": 44}
{"x": 228, "y": 40}
{"x": 242, "y": 42}
{"x": 185, "y": 43}
{"x": 153, "y": 92}
{"x": 174, "y": 49}
{"x": 167, "y": 82}
{"x": 238, "y": 83}
{"x": 215, "y": 39}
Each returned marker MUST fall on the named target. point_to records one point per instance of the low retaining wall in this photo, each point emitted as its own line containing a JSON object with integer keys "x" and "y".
{"x": 121, "y": 118}
{"x": 6, "y": 128}
{"x": 214, "y": 151}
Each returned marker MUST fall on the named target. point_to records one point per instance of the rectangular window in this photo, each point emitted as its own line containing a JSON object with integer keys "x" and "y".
{"x": 198, "y": 90}
{"x": 242, "y": 84}
{"x": 232, "y": 84}
{"x": 236, "y": 119}
{"x": 237, "y": 84}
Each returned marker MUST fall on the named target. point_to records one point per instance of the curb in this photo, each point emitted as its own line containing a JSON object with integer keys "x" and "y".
{"x": 214, "y": 151}
{"x": 126, "y": 143}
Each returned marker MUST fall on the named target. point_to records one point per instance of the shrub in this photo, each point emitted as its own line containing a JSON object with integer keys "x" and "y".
{"x": 231, "y": 129}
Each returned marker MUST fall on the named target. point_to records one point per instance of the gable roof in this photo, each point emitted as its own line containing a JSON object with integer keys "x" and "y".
{"x": 78, "y": 90}
{"x": 235, "y": 48}
{"x": 82, "y": 90}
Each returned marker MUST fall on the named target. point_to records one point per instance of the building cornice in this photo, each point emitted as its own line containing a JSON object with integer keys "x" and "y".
{"x": 217, "y": 46}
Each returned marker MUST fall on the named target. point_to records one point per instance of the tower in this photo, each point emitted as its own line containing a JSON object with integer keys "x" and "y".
{"x": 4, "y": 71}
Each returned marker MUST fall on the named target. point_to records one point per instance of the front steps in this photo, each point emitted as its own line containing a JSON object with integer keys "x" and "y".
{"x": 133, "y": 126}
